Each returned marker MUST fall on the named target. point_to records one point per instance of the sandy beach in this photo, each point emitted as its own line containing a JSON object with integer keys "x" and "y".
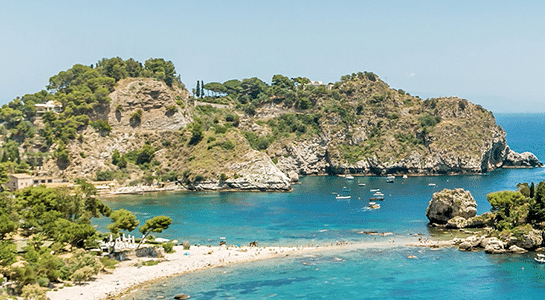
{"x": 129, "y": 275}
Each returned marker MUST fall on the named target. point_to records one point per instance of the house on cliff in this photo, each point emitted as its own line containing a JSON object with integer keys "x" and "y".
{"x": 23, "y": 180}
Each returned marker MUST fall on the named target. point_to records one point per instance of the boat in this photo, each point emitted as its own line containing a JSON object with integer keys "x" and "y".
{"x": 432, "y": 184}
{"x": 349, "y": 177}
{"x": 374, "y": 190}
{"x": 390, "y": 179}
{"x": 373, "y": 205}
{"x": 361, "y": 184}
{"x": 346, "y": 190}
{"x": 339, "y": 196}
{"x": 540, "y": 258}
{"x": 378, "y": 196}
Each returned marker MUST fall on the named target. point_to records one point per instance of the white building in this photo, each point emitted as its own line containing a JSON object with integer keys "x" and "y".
{"x": 42, "y": 108}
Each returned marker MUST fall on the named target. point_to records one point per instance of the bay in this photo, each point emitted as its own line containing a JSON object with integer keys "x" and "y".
{"x": 311, "y": 215}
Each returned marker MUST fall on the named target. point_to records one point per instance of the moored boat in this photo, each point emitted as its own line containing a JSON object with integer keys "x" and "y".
{"x": 540, "y": 258}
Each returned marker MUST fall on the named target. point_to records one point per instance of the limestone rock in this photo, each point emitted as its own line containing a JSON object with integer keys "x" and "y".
{"x": 484, "y": 220}
{"x": 531, "y": 240}
{"x": 516, "y": 249}
{"x": 525, "y": 159}
{"x": 465, "y": 246}
{"x": 156, "y": 101}
{"x": 495, "y": 246}
{"x": 448, "y": 204}
{"x": 182, "y": 296}
{"x": 457, "y": 223}
{"x": 256, "y": 171}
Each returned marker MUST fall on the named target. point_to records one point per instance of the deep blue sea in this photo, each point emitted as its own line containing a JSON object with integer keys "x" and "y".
{"x": 311, "y": 215}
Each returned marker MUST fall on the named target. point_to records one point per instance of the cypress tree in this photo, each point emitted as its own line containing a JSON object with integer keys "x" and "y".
{"x": 202, "y": 89}
{"x": 532, "y": 190}
{"x": 198, "y": 90}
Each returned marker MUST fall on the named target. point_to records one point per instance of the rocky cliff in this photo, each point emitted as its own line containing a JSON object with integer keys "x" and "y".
{"x": 358, "y": 126}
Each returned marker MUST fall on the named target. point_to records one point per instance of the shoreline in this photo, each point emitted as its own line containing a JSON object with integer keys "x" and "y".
{"x": 128, "y": 276}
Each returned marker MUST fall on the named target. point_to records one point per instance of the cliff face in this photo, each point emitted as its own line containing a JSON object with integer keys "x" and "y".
{"x": 466, "y": 140}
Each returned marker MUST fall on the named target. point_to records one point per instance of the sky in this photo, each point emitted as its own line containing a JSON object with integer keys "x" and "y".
{"x": 489, "y": 52}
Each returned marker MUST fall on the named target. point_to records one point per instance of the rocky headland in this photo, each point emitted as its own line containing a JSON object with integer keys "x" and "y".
{"x": 248, "y": 135}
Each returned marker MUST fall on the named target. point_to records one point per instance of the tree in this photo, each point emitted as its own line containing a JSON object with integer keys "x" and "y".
{"x": 122, "y": 220}
{"x": 202, "y": 89}
{"x": 198, "y": 90}
{"x": 155, "y": 224}
{"x": 161, "y": 69}
{"x": 282, "y": 82}
{"x": 537, "y": 206}
{"x": 6, "y": 225}
{"x": 8, "y": 253}
{"x": 510, "y": 208}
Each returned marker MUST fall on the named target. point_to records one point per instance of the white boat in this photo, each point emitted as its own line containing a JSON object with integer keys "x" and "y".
{"x": 378, "y": 196}
{"x": 540, "y": 258}
{"x": 342, "y": 197}
{"x": 390, "y": 179}
{"x": 374, "y": 190}
{"x": 349, "y": 177}
{"x": 432, "y": 184}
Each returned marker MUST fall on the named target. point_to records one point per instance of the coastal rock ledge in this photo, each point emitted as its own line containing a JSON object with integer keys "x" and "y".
{"x": 448, "y": 204}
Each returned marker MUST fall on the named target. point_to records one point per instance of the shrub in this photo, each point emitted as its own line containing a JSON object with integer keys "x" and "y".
{"x": 105, "y": 175}
{"x": 42, "y": 281}
{"x": 429, "y": 120}
{"x": 168, "y": 246}
{"x": 34, "y": 291}
{"x": 101, "y": 125}
{"x": 186, "y": 245}
{"x": 136, "y": 117}
{"x": 82, "y": 274}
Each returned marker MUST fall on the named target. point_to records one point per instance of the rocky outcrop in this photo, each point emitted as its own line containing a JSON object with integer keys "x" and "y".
{"x": 448, "y": 204}
{"x": 467, "y": 140}
{"x": 521, "y": 160}
{"x": 154, "y": 98}
{"x": 255, "y": 172}
{"x": 531, "y": 240}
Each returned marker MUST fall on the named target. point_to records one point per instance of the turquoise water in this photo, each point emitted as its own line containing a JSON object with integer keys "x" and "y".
{"x": 311, "y": 215}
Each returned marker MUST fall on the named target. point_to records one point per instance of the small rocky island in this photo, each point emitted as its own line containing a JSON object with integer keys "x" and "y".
{"x": 515, "y": 224}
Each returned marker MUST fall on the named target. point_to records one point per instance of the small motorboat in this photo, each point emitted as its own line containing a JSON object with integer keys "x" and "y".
{"x": 378, "y": 196}
{"x": 540, "y": 258}
{"x": 390, "y": 179}
{"x": 349, "y": 177}
{"x": 432, "y": 184}
{"x": 373, "y": 205}
{"x": 374, "y": 190}
{"x": 342, "y": 196}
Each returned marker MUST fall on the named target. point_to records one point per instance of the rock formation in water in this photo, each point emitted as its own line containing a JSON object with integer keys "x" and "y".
{"x": 447, "y": 205}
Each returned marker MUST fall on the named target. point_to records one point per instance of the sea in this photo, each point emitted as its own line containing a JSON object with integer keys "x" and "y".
{"x": 311, "y": 215}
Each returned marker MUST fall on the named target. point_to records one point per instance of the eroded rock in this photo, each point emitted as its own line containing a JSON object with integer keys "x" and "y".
{"x": 448, "y": 204}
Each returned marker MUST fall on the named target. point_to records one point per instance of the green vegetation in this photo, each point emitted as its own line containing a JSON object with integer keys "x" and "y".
{"x": 57, "y": 226}
{"x": 521, "y": 210}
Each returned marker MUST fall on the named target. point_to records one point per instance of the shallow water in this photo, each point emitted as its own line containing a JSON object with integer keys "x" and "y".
{"x": 311, "y": 215}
